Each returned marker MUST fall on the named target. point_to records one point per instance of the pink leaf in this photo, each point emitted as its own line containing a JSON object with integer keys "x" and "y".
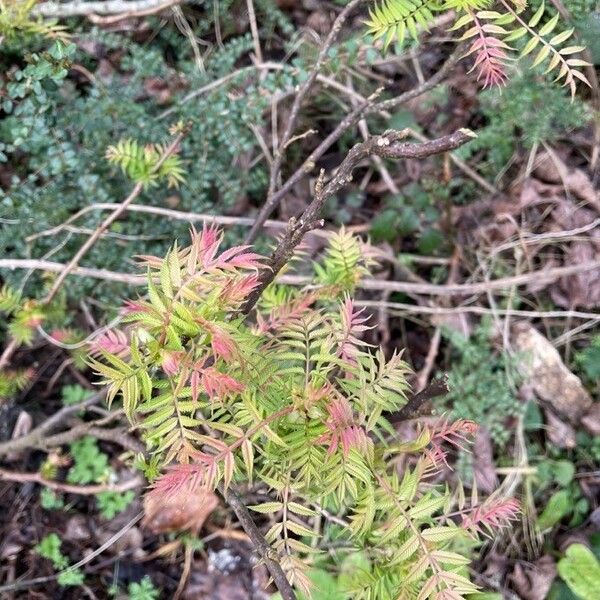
{"x": 113, "y": 342}
{"x": 342, "y": 430}
{"x": 170, "y": 362}
{"x": 492, "y": 514}
{"x": 219, "y": 385}
{"x": 353, "y": 324}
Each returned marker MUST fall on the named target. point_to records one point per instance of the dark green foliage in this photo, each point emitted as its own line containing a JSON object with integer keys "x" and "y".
{"x": 589, "y": 360}
{"x": 58, "y": 165}
{"x": 411, "y": 212}
{"x": 482, "y": 385}
{"x": 528, "y": 111}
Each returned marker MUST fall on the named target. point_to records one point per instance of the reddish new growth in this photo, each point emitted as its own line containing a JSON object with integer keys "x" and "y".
{"x": 131, "y": 307}
{"x": 353, "y": 324}
{"x": 113, "y": 341}
{"x": 285, "y": 314}
{"x": 171, "y": 362}
{"x": 179, "y": 479}
{"x": 205, "y": 246}
{"x": 491, "y": 515}
{"x": 342, "y": 429}
{"x": 456, "y": 434}
{"x": 214, "y": 383}
{"x": 490, "y": 55}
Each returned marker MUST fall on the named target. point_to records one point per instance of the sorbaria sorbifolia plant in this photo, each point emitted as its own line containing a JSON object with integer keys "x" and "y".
{"x": 292, "y": 401}
{"x": 497, "y": 31}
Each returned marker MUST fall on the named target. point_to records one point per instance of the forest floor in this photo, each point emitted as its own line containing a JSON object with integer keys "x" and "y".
{"x": 487, "y": 277}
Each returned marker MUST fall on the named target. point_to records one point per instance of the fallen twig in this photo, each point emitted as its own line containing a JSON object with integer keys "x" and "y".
{"x": 79, "y": 8}
{"x": 545, "y": 276}
{"x": 368, "y": 106}
{"x": 67, "y": 488}
{"x": 34, "y": 437}
{"x": 268, "y": 554}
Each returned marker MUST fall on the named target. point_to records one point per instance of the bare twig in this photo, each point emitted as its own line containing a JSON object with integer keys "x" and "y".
{"x": 367, "y": 106}
{"x": 254, "y": 30}
{"x": 29, "y": 583}
{"x": 545, "y": 276}
{"x": 429, "y": 84}
{"x": 305, "y": 88}
{"x": 293, "y": 116}
{"x": 8, "y": 352}
{"x": 387, "y": 145}
{"x": 434, "y": 345}
{"x": 56, "y": 267}
{"x": 400, "y": 308}
{"x": 268, "y": 554}
{"x": 416, "y": 405}
{"x": 160, "y": 211}
{"x": 101, "y": 7}
{"x": 425, "y": 372}
{"x": 116, "y": 436}
{"x": 34, "y": 437}
{"x": 67, "y": 488}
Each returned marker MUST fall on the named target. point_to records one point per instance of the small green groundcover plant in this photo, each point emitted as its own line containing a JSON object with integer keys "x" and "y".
{"x": 291, "y": 401}
{"x": 482, "y": 384}
{"x": 90, "y": 465}
{"x": 49, "y": 547}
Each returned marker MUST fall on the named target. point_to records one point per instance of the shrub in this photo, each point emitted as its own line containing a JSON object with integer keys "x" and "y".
{"x": 293, "y": 403}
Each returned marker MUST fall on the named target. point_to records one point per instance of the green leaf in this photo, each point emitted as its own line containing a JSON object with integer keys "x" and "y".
{"x": 537, "y": 16}
{"x": 550, "y": 25}
{"x": 430, "y": 241}
{"x": 426, "y": 507}
{"x": 301, "y": 510}
{"x": 530, "y": 45}
{"x": 541, "y": 56}
{"x": 440, "y": 534}
{"x": 581, "y": 571}
{"x": 564, "y": 471}
{"x": 561, "y": 37}
{"x": 558, "y": 507}
{"x": 267, "y": 508}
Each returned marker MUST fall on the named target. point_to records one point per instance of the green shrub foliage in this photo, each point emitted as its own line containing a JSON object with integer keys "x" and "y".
{"x": 294, "y": 402}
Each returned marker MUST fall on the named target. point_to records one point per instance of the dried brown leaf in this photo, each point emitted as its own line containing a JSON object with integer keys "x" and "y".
{"x": 484, "y": 469}
{"x": 543, "y": 369}
{"x": 183, "y": 510}
{"x": 533, "y": 581}
{"x": 561, "y": 434}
